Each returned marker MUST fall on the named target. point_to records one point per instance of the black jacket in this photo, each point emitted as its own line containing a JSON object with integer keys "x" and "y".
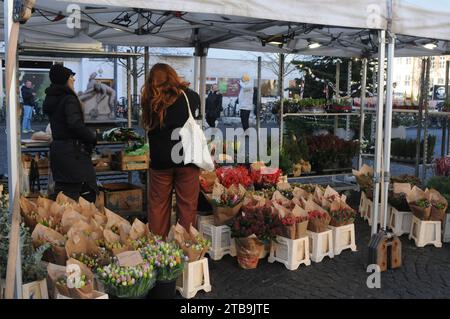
{"x": 73, "y": 141}
{"x": 160, "y": 141}
{"x": 27, "y": 96}
{"x": 213, "y": 105}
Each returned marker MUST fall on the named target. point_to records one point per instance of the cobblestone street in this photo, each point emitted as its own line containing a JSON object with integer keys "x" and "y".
{"x": 425, "y": 273}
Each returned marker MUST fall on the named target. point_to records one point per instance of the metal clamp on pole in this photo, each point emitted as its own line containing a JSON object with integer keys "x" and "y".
{"x": 376, "y": 178}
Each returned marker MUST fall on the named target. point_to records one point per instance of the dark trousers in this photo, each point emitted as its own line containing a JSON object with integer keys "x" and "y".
{"x": 75, "y": 190}
{"x": 245, "y": 114}
{"x": 211, "y": 121}
{"x": 187, "y": 187}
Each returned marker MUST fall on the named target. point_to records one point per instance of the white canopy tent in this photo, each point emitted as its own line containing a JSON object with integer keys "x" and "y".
{"x": 344, "y": 28}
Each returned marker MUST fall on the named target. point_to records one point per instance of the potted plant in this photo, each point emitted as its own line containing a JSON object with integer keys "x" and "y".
{"x": 33, "y": 269}
{"x": 168, "y": 260}
{"x": 253, "y": 228}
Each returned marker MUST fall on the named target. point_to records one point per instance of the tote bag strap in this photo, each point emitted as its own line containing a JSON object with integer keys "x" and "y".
{"x": 188, "y": 105}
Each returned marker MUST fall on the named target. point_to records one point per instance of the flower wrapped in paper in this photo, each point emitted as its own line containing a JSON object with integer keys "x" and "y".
{"x": 397, "y": 196}
{"x": 238, "y": 175}
{"x": 264, "y": 177}
{"x": 294, "y": 222}
{"x": 84, "y": 249}
{"x": 57, "y": 252}
{"x": 318, "y": 218}
{"x": 207, "y": 181}
{"x": 226, "y": 202}
{"x": 74, "y": 281}
{"x": 192, "y": 243}
{"x": 341, "y": 214}
{"x": 364, "y": 178}
{"x": 419, "y": 203}
{"x": 439, "y": 206}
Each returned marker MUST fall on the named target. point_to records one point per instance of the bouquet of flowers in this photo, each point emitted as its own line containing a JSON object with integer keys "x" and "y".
{"x": 341, "y": 214}
{"x": 317, "y": 216}
{"x": 397, "y": 196}
{"x": 364, "y": 179}
{"x": 167, "y": 258}
{"x": 127, "y": 281}
{"x": 57, "y": 252}
{"x": 207, "y": 181}
{"x": 419, "y": 203}
{"x": 439, "y": 206}
{"x": 265, "y": 177}
{"x": 229, "y": 176}
{"x": 192, "y": 243}
{"x": 251, "y": 230}
{"x": 294, "y": 222}
{"x": 76, "y": 282}
{"x": 226, "y": 202}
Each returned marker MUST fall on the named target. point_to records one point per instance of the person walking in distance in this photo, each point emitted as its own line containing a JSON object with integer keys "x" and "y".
{"x": 245, "y": 100}
{"x": 28, "y": 97}
{"x": 213, "y": 106}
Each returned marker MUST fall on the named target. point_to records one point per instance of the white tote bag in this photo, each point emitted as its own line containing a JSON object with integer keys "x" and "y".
{"x": 195, "y": 147}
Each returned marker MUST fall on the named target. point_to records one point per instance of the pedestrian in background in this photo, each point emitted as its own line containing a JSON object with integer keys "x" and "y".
{"x": 28, "y": 98}
{"x": 245, "y": 100}
{"x": 213, "y": 106}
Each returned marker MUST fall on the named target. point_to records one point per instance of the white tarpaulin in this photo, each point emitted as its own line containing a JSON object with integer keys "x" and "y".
{"x": 341, "y": 28}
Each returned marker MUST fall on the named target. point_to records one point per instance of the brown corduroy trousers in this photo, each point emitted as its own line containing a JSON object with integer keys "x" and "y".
{"x": 162, "y": 182}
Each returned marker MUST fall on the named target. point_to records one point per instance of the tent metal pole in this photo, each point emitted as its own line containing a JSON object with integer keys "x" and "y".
{"x": 419, "y": 118}
{"x": 202, "y": 88}
{"x": 146, "y": 62}
{"x": 129, "y": 103}
{"x": 425, "y": 125}
{"x": 11, "y": 30}
{"x": 196, "y": 73}
{"x": 388, "y": 126}
{"x": 379, "y": 131}
{"x": 447, "y": 100}
{"x": 349, "y": 94}
{"x": 281, "y": 90}
{"x": 337, "y": 93}
{"x": 258, "y": 106}
{"x": 362, "y": 107}
{"x": 444, "y": 120}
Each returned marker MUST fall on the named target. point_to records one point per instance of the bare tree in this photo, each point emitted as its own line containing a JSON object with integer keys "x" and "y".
{"x": 136, "y": 67}
{"x": 271, "y": 61}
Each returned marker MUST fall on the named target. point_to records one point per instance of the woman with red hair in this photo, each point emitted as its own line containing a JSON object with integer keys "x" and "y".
{"x": 164, "y": 111}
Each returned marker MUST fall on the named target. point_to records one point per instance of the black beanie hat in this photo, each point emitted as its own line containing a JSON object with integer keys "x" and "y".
{"x": 59, "y": 74}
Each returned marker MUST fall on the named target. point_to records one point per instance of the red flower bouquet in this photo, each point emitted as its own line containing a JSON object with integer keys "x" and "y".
{"x": 318, "y": 221}
{"x": 234, "y": 176}
{"x": 265, "y": 177}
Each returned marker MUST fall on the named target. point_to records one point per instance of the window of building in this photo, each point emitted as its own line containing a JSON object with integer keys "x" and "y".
{"x": 442, "y": 62}
{"x": 407, "y": 80}
{"x": 408, "y": 61}
{"x": 432, "y": 62}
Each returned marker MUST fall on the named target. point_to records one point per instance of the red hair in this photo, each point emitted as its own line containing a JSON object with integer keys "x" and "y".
{"x": 161, "y": 89}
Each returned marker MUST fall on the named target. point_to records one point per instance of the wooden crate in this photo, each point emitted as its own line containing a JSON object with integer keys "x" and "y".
{"x": 131, "y": 163}
{"x": 123, "y": 197}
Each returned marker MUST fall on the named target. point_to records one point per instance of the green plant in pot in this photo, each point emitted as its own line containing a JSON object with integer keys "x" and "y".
{"x": 33, "y": 269}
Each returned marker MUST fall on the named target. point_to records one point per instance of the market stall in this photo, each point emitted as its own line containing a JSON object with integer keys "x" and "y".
{"x": 256, "y": 26}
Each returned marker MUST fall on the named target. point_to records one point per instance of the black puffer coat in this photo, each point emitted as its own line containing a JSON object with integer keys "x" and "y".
{"x": 73, "y": 141}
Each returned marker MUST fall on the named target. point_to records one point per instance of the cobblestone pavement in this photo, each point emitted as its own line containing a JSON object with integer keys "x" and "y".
{"x": 425, "y": 273}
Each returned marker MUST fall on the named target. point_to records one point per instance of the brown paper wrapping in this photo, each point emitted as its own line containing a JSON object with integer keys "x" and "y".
{"x": 399, "y": 188}
{"x": 81, "y": 244}
{"x": 210, "y": 179}
{"x": 289, "y": 231}
{"x": 437, "y": 198}
{"x": 338, "y": 204}
{"x": 318, "y": 195}
{"x": 63, "y": 199}
{"x": 299, "y": 192}
{"x": 181, "y": 236}
{"x": 248, "y": 250}
{"x": 278, "y": 197}
{"x": 57, "y": 252}
{"x": 138, "y": 230}
{"x": 69, "y": 218}
{"x": 223, "y": 215}
{"x": 300, "y": 229}
{"x": 414, "y": 195}
{"x": 78, "y": 293}
{"x": 45, "y": 203}
{"x": 26, "y": 208}
{"x": 317, "y": 225}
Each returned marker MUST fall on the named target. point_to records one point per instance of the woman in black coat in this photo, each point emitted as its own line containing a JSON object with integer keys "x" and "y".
{"x": 73, "y": 142}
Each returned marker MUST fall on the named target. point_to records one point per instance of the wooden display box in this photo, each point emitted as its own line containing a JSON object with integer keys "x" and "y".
{"x": 131, "y": 163}
{"x": 123, "y": 197}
